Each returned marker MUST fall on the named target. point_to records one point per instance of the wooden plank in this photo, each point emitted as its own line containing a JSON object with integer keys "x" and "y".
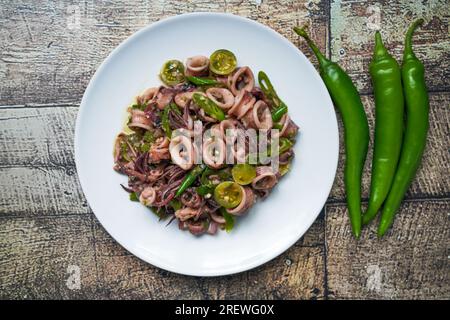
{"x": 353, "y": 25}
{"x": 432, "y": 177}
{"x": 50, "y": 50}
{"x": 296, "y": 274}
{"x": 37, "y": 136}
{"x": 39, "y": 254}
{"x": 410, "y": 262}
{"x": 40, "y": 257}
{"x": 28, "y": 191}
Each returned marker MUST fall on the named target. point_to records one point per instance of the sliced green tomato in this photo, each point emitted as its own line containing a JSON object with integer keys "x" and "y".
{"x": 222, "y": 62}
{"x": 243, "y": 173}
{"x": 228, "y": 194}
{"x": 172, "y": 72}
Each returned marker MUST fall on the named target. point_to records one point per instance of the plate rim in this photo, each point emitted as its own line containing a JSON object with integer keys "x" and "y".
{"x": 276, "y": 251}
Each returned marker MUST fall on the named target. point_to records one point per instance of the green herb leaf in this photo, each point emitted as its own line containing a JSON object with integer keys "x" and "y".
{"x": 229, "y": 219}
{"x": 134, "y": 196}
{"x": 175, "y": 204}
{"x": 145, "y": 147}
{"x": 203, "y": 190}
{"x": 149, "y": 137}
{"x": 139, "y": 106}
{"x": 165, "y": 121}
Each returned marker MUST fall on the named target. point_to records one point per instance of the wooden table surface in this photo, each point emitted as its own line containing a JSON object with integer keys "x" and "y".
{"x": 48, "y": 233}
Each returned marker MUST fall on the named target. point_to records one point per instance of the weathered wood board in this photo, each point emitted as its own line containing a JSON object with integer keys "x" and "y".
{"x": 48, "y": 53}
{"x": 410, "y": 263}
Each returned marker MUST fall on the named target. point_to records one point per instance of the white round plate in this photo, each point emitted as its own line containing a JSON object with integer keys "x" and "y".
{"x": 272, "y": 225}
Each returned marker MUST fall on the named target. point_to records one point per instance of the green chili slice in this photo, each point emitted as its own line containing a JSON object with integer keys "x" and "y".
{"x": 202, "y": 81}
{"x": 208, "y": 106}
{"x": 189, "y": 179}
{"x": 267, "y": 87}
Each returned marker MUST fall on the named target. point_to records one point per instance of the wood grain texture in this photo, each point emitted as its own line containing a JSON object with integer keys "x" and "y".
{"x": 431, "y": 180}
{"x": 37, "y": 251}
{"x": 48, "y": 53}
{"x": 296, "y": 274}
{"x": 40, "y": 191}
{"x": 410, "y": 262}
{"x": 37, "y": 255}
{"x": 50, "y": 50}
{"x": 37, "y": 136}
{"x": 353, "y": 25}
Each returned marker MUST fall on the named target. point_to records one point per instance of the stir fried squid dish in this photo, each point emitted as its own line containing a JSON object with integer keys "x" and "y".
{"x": 205, "y": 183}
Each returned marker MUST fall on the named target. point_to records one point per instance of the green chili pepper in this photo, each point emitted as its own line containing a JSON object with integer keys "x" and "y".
{"x": 387, "y": 85}
{"x": 202, "y": 81}
{"x": 417, "y": 108}
{"x": 356, "y": 130}
{"x": 175, "y": 108}
{"x": 278, "y": 113}
{"x": 208, "y": 106}
{"x": 277, "y": 126}
{"x": 165, "y": 121}
{"x": 267, "y": 87}
{"x": 285, "y": 145}
{"x": 189, "y": 179}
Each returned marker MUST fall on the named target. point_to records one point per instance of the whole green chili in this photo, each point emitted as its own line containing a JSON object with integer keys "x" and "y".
{"x": 417, "y": 109}
{"x": 189, "y": 179}
{"x": 387, "y": 86}
{"x": 356, "y": 130}
{"x": 208, "y": 106}
{"x": 267, "y": 87}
